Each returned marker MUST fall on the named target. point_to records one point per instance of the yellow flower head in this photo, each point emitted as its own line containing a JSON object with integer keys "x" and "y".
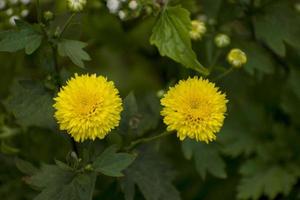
{"x": 88, "y": 107}
{"x": 198, "y": 30}
{"x": 237, "y": 58}
{"x": 195, "y": 108}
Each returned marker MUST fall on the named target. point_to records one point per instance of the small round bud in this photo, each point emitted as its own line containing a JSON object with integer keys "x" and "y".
{"x": 122, "y": 14}
{"x": 25, "y": 2}
{"x": 198, "y": 30}
{"x": 48, "y": 15}
{"x": 13, "y": 2}
{"x": 133, "y": 5}
{"x": 222, "y": 40}
{"x": 160, "y": 93}
{"x": 297, "y": 7}
{"x": 237, "y": 58}
{"x": 2, "y": 4}
{"x": 12, "y": 20}
{"x": 76, "y": 5}
{"x": 9, "y": 12}
{"x": 113, "y": 6}
{"x": 24, "y": 13}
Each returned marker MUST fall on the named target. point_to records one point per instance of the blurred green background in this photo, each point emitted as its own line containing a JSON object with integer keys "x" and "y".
{"x": 257, "y": 153}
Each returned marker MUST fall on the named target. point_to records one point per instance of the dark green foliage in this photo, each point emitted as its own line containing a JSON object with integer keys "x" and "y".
{"x": 256, "y": 154}
{"x": 171, "y": 36}
{"x": 26, "y": 37}
{"x": 150, "y": 173}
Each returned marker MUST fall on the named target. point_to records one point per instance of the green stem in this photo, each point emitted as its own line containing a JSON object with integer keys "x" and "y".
{"x": 38, "y": 11}
{"x": 215, "y": 59}
{"x": 224, "y": 74}
{"x": 146, "y": 140}
{"x": 67, "y": 24}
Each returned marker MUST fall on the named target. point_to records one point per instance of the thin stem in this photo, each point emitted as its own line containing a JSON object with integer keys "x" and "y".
{"x": 57, "y": 70}
{"x": 38, "y": 11}
{"x": 224, "y": 74}
{"x": 215, "y": 59}
{"x": 146, "y": 140}
{"x": 67, "y": 24}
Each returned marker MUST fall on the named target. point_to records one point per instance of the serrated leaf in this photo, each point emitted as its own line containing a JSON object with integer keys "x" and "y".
{"x": 25, "y": 166}
{"x": 153, "y": 177}
{"x": 31, "y": 104}
{"x": 25, "y": 37}
{"x": 74, "y": 50}
{"x": 111, "y": 163}
{"x": 171, "y": 36}
{"x": 259, "y": 60}
{"x": 278, "y": 24}
{"x": 60, "y": 184}
{"x": 260, "y": 179}
{"x": 206, "y": 156}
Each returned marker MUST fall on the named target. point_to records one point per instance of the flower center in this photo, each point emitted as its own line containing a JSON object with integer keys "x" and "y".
{"x": 89, "y": 106}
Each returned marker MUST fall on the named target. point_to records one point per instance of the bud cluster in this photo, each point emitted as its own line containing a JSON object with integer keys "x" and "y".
{"x": 10, "y": 10}
{"x": 128, "y": 9}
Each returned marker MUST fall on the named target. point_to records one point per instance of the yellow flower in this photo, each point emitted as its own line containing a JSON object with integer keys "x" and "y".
{"x": 198, "y": 30}
{"x": 237, "y": 58}
{"x": 195, "y": 108}
{"x": 88, "y": 107}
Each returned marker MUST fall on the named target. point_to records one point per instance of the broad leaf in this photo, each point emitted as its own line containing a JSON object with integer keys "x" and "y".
{"x": 260, "y": 179}
{"x": 111, "y": 163}
{"x": 61, "y": 184}
{"x": 152, "y": 176}
{"x": 171, "y": 36}
{"x": 278, "y": 24}
{"x": 74, "y": 50}
{"x": 31, "y": 104}
{"x": 25, "y": 37}
{"x": 206, "y": 156}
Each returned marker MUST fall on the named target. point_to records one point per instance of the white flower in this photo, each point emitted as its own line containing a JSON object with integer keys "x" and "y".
{"x": 12, "y": 20}
{"x": 24, "y": 13}
{"x": 13, "y": 1}
{"x": 113, "y": 5}
{"x": 133, "y": 5}
{"x": 9, "y": 12}
{"x": 2, "y": 4}
{"x": 122, "y": 14}
{"x": 25, "y": 2}
{"x": 76, "y": 5}
{"x": 222, "y": 40}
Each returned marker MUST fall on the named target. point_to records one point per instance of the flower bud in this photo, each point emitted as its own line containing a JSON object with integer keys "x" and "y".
{"x": 198, "y": 30}
{"x": 113, "y": 6}
{"x": 222, "y": 40}
{"x": 76, "y": 5}
{"x": 297, "y": 7}
{"x": 12, "y": 20}
{"x": 237, "y": 58}
{"x": 122, "y": 14}
{"x": 133, "y": 5}
{"x": 48, "y": 15}
{"x": 2, "y": 4}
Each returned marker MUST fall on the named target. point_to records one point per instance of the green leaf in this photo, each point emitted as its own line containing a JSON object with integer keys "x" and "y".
{"x": 260, "y": 179}
{"x": 206, "y": 156}
{"x": 74, "y": 50}
{"x": 259, "y": 60}
{"x": 25, "y": 167}
{"x": 31, "y": 104}
{"x": 25, "y": 37}
{"x": 111, "y": 163}
{"x": 153, "y": 177}
{"x": 278, "y": 24}
{"x": 171, "y": 36}
{"x": 61, "y": 184}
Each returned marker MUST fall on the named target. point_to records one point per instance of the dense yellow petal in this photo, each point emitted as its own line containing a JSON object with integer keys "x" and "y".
{"x": 195, "y": 109}
{"x": 88, "y": 107}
